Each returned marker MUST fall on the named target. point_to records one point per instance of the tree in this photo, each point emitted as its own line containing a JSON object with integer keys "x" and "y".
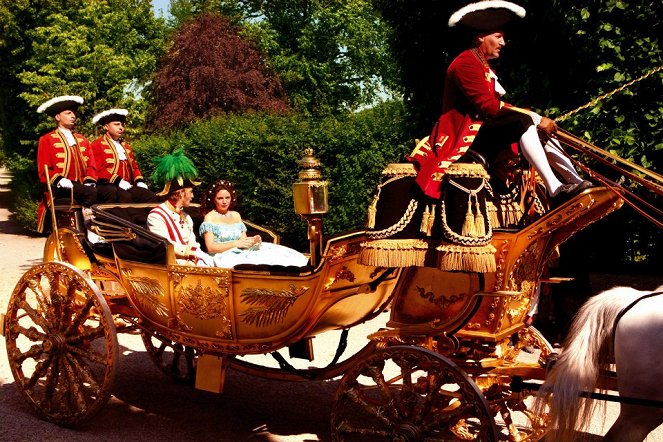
{"x": 332, "y": 57}
{"x": 209, "y": 70}
{"x": 94, "y": 49}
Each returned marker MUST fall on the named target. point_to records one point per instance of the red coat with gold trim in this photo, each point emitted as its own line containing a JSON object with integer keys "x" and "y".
{"x": 109, "y": 167}
{"x": 75, "y": 163}
{"x": 469, "y": 100}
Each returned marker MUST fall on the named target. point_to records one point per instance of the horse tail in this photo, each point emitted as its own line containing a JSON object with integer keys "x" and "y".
{"x": 587, "y": 351}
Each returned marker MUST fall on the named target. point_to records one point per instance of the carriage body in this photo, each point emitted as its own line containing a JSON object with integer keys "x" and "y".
{"x": 457, "y": 326}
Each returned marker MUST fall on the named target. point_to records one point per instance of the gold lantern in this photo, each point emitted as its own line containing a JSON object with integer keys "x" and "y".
{"x": 310, "y": 198}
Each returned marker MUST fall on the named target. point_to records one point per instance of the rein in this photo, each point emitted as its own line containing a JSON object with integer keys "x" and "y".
{"x": 608, "y": 94}
{"x": 626, "y": 309}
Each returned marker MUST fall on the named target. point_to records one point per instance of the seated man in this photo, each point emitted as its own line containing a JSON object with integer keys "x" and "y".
{"x": 67, "y": 156}
{"x": 115, "y": 163}
{"x": 169, "y": 219}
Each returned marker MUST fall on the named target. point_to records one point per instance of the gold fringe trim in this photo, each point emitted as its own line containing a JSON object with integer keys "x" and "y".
{"x": 507, "y": 214}
{"x": 479, "y": 259}
{"x": 393, "y": 253}
{"x": 399, "y": 169}
{"x": 472, "y": 170}
{"x": 491, "y": 210}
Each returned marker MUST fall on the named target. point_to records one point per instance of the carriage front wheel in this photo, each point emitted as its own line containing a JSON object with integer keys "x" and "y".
{"x": 61, "y": 343}
{"x": 407, "y": 393}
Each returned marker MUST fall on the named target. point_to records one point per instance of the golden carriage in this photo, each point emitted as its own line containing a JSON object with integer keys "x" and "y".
{"x": 445, "y": 366}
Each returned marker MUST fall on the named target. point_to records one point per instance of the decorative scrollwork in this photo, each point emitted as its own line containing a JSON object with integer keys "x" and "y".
{"x": 440, "y": 301}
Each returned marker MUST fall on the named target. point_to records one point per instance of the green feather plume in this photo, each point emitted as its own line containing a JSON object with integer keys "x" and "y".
{"x": 174, "y": 166}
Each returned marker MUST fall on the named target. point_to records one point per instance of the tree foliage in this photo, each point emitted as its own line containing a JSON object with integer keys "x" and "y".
{"x": 260, "y": 153}
{"x": 93, "y": 49}
{"x": 331, "y": 56}
{"x": 209, "y": 69}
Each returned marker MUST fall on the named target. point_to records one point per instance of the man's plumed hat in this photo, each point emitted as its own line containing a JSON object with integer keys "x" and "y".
{"x": 174, "y": 172}
{"x": 487, "y": 15}
{"x": 110, "y": 115}
{"x": 58, "y": 104}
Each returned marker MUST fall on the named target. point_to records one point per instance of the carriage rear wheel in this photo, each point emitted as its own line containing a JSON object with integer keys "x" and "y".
{"x": 407, "y": 393}
{"x": 175, "y": 360}
{"x": 61, "y": 343}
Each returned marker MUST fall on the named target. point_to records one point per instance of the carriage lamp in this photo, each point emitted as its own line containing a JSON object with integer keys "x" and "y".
{"x": 310, "y": 198}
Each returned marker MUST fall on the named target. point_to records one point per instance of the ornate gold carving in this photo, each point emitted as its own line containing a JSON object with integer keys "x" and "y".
{"x": 273, "y": 304}
{"x": 336, "y": 253}
{"x": 501, "y": 262}
{"x": 148, "y": 293}
{"x": 205, "y": 303}
{"x": 440, "y": 301}
{"x": 345, "y": 273}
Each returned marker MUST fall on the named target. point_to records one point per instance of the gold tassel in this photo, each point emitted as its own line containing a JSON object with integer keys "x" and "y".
{"x": 479, "y": 223}
{"x": 427, "y": 220}
{"x": 431, "y": 221}
{"x": 424, "y": 221}
{"x": 468, "y": 225}
{"x": 372, "y": 211}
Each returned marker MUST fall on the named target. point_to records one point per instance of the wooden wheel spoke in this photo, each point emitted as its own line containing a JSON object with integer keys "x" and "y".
{"x": 31, "y": 353}
{"x": 87, "y": 354}
{"x": 40, "y": 370}
{"x": 391, "y": 404}
{"x": 31, "y": 333}
{"x": 81, "y": 315}
{"x": 52, "y": 379}
{"x": 438, "y": 419}
{"x": 88, "y": 334}
{"x": 430, "y": 398}
{"x": 355, "y": 396}
{"x": 83, "y": 375}
{"x": 34, "y": 315}
{"x": 40, "y": 296}
{"x": 75, "y": 397}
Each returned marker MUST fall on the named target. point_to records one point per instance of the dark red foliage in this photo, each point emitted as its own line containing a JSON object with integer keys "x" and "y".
{"x": 209, "y": 70}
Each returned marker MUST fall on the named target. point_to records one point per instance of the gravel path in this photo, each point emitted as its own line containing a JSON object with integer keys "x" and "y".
{"x": 146, "y": 406}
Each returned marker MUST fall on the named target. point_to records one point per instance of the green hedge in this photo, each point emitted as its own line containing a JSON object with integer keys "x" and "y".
{"x": 260, "y": 154}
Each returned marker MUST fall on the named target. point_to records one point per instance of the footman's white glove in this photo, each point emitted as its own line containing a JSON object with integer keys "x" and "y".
{"x": 65, "y": 183}
{"x": 142, "y": 184}
{"x": 125, "y": 185}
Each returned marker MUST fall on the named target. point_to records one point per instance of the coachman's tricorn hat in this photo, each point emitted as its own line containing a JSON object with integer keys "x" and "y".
{"x": 110, "y": 115}
{"x": 59, "y": 104}
{"x": 174, "y": 172}
{"x": 487, "y": 15}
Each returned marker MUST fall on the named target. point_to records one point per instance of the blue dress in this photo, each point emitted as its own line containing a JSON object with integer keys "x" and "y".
{"x": 265, "y": 253}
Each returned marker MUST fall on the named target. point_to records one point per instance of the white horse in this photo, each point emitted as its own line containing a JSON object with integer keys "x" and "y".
{"x": 588, "y": 350}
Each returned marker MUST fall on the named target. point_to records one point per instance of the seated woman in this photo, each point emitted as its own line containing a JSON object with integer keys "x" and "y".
{"x": 225, "y": 237}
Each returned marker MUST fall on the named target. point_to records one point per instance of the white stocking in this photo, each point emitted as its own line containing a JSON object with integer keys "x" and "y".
{"x": 560, "y": 161}
{"x": 534, "y": 153}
